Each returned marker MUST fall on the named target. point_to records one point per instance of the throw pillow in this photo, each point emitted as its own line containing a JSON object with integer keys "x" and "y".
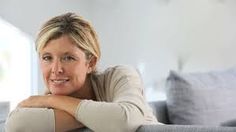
{"x": 201, "y": 98}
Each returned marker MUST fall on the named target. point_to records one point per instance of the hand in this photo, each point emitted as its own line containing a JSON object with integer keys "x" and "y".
{"x": 64, "y": 103}
{"x": 35, "y": 102}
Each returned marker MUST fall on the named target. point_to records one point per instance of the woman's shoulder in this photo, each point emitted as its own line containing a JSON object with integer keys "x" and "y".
{"x": 120, "y": 70}
{"x": 116, "y": 73}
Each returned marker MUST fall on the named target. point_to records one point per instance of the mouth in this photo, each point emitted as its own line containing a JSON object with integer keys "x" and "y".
{"x": 59, "y": 81}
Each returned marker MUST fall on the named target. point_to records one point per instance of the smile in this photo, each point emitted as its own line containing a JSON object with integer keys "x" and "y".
{"x": 59, "y": 81}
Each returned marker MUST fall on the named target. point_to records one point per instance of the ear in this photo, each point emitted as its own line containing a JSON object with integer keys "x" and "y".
{"x": 92, "y": 64}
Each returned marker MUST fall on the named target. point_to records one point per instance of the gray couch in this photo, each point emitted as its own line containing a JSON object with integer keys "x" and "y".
{"x": 160, "y": 110}
{"x": 197, "y": 102}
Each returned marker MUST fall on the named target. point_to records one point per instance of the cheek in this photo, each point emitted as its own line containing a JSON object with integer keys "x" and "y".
{"x": 80, "y": 74}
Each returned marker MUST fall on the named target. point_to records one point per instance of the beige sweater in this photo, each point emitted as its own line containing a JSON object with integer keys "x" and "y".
{"x": 121, "y": 106}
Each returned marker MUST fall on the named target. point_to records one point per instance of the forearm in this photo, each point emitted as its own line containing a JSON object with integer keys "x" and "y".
{"x": 64, "y": 108}
{"x": 119, "y": 116}
{"x": 63, "y": 103}
{"x": 40, "y": 120}
{"x": 65, "y": 122}
{"x": 30, "y": 119}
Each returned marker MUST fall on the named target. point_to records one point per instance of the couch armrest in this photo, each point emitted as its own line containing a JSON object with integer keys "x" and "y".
{"x": 4, "y": 110}
{"x": 184, "y": 128}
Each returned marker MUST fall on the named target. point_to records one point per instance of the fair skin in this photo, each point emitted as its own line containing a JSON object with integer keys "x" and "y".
{"x": 65, "y": 68}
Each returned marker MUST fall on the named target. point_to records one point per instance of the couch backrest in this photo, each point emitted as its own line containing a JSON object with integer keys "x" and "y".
{"x": 160, "y": 111}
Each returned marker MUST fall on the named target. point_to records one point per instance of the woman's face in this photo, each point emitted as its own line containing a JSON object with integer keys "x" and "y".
{"x": 64, "y": 66}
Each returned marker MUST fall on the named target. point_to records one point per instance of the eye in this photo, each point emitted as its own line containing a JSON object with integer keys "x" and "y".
{"x": 46, "y": 58}
{"x": 68, "y": 58}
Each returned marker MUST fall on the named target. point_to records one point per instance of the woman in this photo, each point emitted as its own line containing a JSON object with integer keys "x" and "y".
{"x": 77, "y": 95}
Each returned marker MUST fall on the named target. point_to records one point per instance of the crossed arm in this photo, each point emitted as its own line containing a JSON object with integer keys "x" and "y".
{"x": 44, "y": 113}
{"x": 124, "y": 116}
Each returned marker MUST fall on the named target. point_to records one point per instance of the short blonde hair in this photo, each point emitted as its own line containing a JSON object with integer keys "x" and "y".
{"x": 76, "y": 28}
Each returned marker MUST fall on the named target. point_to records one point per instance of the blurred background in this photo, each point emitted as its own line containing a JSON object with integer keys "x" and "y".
{"x": 154, "y": 36}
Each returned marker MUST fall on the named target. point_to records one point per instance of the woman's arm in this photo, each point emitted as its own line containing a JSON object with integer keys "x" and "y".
{"x": 40, "y": 120}
{"x": 30, "y": 120}
{"x": 64, "y": 103}
{"x": 63, "y": 107}
{"x": 65, "y": 122}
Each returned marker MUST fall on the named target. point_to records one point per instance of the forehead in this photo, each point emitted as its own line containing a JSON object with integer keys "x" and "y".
{"x": 61, "y": 45}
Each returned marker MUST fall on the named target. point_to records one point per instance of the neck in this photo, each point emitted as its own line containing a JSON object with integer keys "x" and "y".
{"x": 86, "y": 92}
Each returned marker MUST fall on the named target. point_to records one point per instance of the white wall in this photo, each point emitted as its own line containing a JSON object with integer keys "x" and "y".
{"x": 152, "y": 35}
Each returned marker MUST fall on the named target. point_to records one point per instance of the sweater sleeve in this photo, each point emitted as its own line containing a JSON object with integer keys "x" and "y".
{"x": 125, "y": 113}
{"x": 30, "y": 120}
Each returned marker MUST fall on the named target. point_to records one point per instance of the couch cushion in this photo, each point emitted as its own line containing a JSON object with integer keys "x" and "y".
{"x": 184, "y": 128}
{"x": 202, "y": 98}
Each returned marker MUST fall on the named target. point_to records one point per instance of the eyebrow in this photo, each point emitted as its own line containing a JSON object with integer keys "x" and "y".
{"x": 65, "y": 53}
{"x": 46, "y": 53}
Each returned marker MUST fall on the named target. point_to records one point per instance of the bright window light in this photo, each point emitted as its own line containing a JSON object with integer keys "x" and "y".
{"x": 15, "y": 64}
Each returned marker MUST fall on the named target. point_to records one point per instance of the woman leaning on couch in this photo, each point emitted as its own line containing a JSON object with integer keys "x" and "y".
{"x": 77, "y": 95}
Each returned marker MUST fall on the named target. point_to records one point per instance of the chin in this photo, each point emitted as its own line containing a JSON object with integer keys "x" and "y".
{"x": 60, "y": 93}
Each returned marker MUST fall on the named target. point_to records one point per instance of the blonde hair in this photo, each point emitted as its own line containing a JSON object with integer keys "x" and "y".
{"x": 76, "y": 28}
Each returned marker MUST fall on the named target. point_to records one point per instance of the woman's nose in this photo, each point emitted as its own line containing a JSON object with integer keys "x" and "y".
{"x": 57, "y": 68}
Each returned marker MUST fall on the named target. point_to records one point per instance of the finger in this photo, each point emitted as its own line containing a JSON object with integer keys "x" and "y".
{"x": 22, "y": 103}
